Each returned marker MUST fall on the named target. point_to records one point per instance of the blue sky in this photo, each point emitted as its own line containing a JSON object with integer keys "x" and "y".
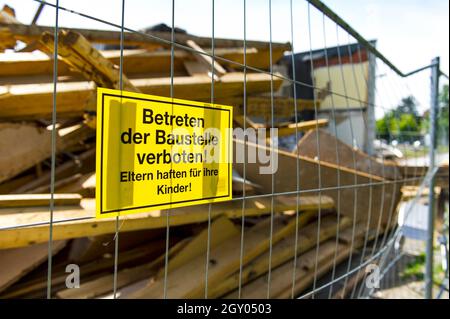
{"x": 409, "y": 32}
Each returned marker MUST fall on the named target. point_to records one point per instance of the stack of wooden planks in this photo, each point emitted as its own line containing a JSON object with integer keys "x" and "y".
{"x": 299, "y": 229}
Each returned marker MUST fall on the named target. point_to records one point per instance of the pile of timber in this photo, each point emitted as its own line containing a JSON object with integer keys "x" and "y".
{"x": 338, "y": 202}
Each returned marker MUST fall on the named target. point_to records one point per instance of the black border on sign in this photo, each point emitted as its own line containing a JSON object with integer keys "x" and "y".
{"x": 173, "y": 103}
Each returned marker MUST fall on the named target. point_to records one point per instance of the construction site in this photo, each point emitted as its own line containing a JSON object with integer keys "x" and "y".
{"x": 330, "y": 208}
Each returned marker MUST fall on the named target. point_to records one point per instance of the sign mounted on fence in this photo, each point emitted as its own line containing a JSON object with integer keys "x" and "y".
{"x": 157, "y": 153}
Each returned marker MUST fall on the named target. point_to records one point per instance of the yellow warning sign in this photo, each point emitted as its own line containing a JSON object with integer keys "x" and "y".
{"x": 156, "y": 152}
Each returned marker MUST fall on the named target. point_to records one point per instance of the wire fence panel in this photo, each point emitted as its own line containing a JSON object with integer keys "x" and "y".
{"x": 339, "y": 172}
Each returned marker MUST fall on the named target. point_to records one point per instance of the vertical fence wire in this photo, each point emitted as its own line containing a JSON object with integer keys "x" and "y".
{"x": 369, "y": 218}
{"x": 370, "y": 198}
{"x": 319, "y": 171}
{"x": 272, "y": 152}
{"x": 378, "y": 228}
{"x": 172, "y": 71}
{"x": 353, "y": 139}
{"x": 244, "y": 168}
{"x": 117, "y": 228}
{"x": 208, "y": 242}
{"x": 338, "y": 171}
{"x": 53, "y": 153}
{"x": 297, "y": 160}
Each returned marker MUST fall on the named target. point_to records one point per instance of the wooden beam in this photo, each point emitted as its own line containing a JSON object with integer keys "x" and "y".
{"x": 205, "y": 59}
{"x": 346, "y": 156}
{"x": 33, "y": 200}
{"x": 81, "y": 56}
{"x": 15, "y": 263}
{"x": 87, "y": 225}
{"x": 351, "y": 283}
{"x": 327, "y": 258}
{"x": 149, "y": 40}
{"x": 33, "y": 100}
{"x": 291, "y": 128}
{"x": 260, "y": 106}
{"x": 282, "y": 252}
{"x": 281, "y": 279}
{"x": 142, "y": 253}
{"x": 16, "y": 67}
{"x": 195, "y": 68}
{"x": 352, "y": 189}
{"x": 221, "y": 229}
{"x": 224, "y": 260}
{"x": 33, "y": 147}
{"x": 81, "y": 164}
{"x": 7, "y": 16}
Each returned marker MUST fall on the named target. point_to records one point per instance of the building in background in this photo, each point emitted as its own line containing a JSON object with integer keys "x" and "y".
{"x": 348, "y": 72}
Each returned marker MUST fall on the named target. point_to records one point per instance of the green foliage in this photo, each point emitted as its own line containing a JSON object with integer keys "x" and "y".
{"x": 401, "y": 123}
{"x": 415, "y": 269}
{"x": 443, "y": 114}
{"x": 442, "y": 117}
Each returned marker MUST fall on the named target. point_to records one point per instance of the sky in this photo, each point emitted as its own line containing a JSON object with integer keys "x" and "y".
{"x": 408, "y": 32}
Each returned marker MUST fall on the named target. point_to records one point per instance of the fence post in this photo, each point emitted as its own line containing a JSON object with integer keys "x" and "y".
{"x": 371, "y": 136}
{"x": 434, "y": 107}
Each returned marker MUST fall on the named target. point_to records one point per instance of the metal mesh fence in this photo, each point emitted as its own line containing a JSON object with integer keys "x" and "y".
{"x": 353, "y": 173}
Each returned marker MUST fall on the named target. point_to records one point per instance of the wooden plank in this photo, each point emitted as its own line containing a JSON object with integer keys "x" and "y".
{"x": 9, "y": 186}
{"x": 195, "y": 68}
{"x": 281, "y": 277}
{"x": 86, "y": 249}
{"x": 224, "y": 260}
{"x": 21, "y": 66}
{"x": 221, "y": 229}
{"x": 80, "y": 55}
{"x": 34, "y": 146}
{"x": 205, "y": 59}
{"x": 17, "y": 262}
{"x": 7, "y": 16}
{"x": 351, "y": 283}
{"x": 352, "y": 192}
{"x": 356, "y": 235}
{"x": 149, "y": 40}
{"x": 30, "y": 200}
{"x": 82, "y": 222}
{"x": 260, "y": 106}
{"x": 140, "y": 254}
{"x": 83, "y": 163}
{"x": 282, "y": 252}
{"x": 346, "y": 156}
{"x": 410, "y": 191}
{"x": 104, "y": 284}
{"x": 291, "y": 128}
{"x": 32, "y": 100}
{"x": 325, "y": 263}
{"x": 78, "y": 183}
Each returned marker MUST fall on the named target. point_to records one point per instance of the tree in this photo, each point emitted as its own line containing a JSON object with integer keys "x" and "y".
{"x": 441, "y": 119}
{"x": 443, "y": 115}
{"x": 401, "y": 123}
{"x": 408, "y": 105}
